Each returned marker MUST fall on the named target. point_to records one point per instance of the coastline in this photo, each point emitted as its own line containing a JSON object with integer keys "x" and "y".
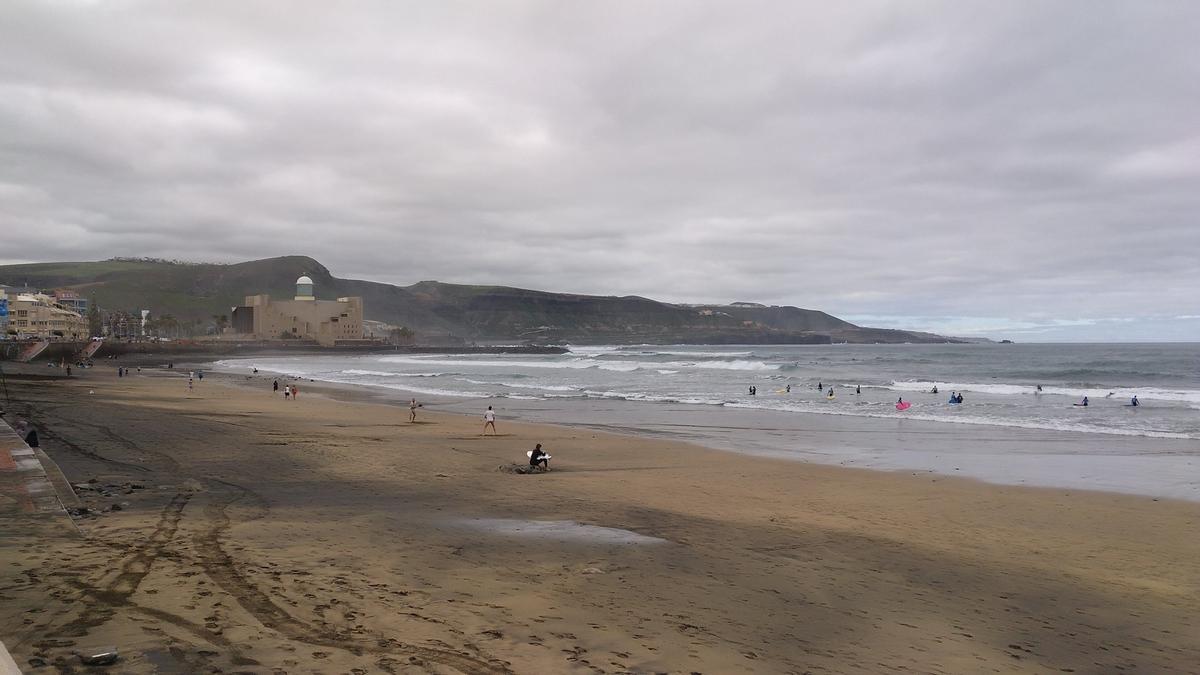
{"x": 403, "y": 535}
{"x": 1163, "y": 468}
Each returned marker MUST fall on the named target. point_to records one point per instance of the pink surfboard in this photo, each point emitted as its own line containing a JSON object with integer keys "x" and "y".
{"x": 903, "y": 406}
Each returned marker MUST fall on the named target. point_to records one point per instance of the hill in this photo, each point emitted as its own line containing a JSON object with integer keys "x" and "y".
{"x": 191, "y": 291}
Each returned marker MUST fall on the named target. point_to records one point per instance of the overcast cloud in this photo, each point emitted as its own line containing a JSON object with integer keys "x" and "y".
{"x": 1013, "y": 169}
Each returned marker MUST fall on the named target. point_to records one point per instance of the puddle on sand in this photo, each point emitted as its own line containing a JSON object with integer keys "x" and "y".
{"x": 561, "y": 530}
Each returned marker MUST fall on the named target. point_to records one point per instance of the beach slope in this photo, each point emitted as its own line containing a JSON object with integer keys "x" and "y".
{"x": 322, "y": 535}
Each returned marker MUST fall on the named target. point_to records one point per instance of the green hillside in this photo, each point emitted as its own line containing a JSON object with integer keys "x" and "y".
{"x": 198, "y": 291}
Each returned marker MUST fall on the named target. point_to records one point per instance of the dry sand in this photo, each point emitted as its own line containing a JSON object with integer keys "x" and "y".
{"x": 320, "y": 535}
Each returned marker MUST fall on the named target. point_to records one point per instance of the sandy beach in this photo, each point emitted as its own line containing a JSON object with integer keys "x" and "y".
{"x": 326, "y": 535}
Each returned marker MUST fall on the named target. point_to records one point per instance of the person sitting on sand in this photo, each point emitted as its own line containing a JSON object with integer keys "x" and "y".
{"x": 27, "y": 433}
{"x": 539, "y": 458}
{"x": 489, "y": 420}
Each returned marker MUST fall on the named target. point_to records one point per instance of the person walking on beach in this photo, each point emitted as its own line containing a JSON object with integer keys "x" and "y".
{"x": 190, "y": 382}
{"x": 287, "y": 392}
{"x": 275, "y": 387}
{"x": 412, "y": 410}
{"x": 489, "y": 420}
{"x": 295, "y": 392}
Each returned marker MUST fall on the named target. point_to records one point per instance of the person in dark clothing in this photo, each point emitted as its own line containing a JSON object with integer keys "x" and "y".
{"x": 538, "y": 458}
{"x": 27, "y": 433}
{"x": 275, "y": 387}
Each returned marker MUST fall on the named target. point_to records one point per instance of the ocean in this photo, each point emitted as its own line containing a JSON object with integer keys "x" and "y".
{"x": 654, "y": 384}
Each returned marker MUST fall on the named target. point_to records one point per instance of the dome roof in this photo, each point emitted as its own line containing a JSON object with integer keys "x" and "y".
{"x": 304, "y": 280}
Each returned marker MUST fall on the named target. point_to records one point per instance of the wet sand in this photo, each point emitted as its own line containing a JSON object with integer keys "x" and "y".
{"x": 323, "y": 535}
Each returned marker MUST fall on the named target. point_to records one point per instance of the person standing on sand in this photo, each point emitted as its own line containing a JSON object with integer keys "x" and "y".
{"x": 295, "y": 392}
{"x": 412, "y": 410}
{"x": 287, "y": 392}
{"x": 489, "y": 420}
{"x": 275, "y": 387}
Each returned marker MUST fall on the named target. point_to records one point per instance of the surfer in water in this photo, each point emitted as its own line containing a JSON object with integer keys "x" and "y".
{"x": 789, "y": 389}
{"x": 960, "y": 397}
{"x": 1084, "y": 404}
{"x": 858, "y": 389}
{"x": 1134, "y": 402}
{"x": 820, "y": 386}
{"x": 831, "y": 392}
{"x": 934, "y": 391}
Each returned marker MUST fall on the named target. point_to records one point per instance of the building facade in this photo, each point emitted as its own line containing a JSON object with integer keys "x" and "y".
{"x": 35, "y": 315}
{"x": 3, "y": 314}
{"x": 304, "y": 317}
{"x": 71, "y": 300}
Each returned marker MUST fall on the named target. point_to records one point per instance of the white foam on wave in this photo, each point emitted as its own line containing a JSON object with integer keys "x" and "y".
{"x": 522, "y": 385}
{"x": 651, "y": 398}
{"x": 388, "y": 373}
{"x": 693, "y": 354}
{"x": 1000, "y": 389}
{"x": 956, "y": 416}
{"x": 585, "y": 363}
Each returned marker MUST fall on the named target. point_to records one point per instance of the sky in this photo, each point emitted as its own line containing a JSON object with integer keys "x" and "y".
{"x": 1022, "y": 170}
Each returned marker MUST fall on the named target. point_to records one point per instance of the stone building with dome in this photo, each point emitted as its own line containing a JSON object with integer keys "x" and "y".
{"x": 304, "y": 317}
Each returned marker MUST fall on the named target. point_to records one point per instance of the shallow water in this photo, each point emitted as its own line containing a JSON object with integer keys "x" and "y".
{"x": 558, "y": 530}
{"x": 1004, "y": 432}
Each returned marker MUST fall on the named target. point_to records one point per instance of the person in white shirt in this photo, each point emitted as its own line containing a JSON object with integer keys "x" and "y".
{"x": 489, "y": 420}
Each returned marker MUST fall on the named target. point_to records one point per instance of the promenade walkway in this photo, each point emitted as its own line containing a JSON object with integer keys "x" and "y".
{"x": 30, "y": 504}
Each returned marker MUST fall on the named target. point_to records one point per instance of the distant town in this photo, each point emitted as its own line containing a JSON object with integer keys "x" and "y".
{"x": 64, "y": 315}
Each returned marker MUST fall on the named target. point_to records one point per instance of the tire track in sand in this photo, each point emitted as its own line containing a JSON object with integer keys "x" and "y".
{"x": 221, "y": 568}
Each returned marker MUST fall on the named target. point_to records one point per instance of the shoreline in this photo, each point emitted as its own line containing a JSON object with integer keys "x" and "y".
{"x": 1066, "y": 462}
{"x": 335, "y": 535}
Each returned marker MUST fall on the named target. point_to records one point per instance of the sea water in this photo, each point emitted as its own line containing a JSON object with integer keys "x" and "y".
{"x": 999, "y": 383}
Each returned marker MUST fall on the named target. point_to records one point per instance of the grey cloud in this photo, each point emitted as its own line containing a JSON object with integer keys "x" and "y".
{"x": 972, "y": 160}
